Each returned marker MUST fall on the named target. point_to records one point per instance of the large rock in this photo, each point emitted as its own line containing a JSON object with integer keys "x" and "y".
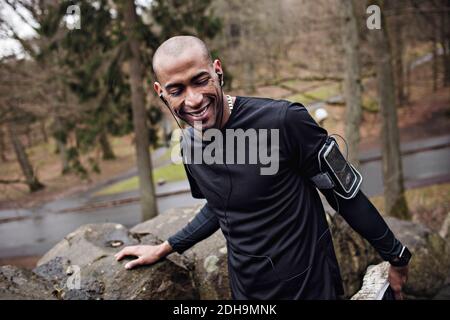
{"x": 87, "y": 256}
{"x": 445, "y": 228}
{"x": 430, "y": 265}
{"x": 209, "y": 257}
{"x": 20, "y": 284}
{"x": 82, "y": 266}
{"x": 353, "y": 252}
{"x": 374, "y": 283}
{"x": 90, "y": 243}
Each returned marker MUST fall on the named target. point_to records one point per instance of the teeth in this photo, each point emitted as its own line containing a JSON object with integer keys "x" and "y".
{"x": 197, "y": 114}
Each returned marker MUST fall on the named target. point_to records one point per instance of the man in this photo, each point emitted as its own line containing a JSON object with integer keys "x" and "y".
{"x": 278, "y": 241}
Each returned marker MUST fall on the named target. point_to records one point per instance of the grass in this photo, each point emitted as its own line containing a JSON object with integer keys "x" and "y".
{"x": 166, "y": 156}
{"x": 300, "y": 97}
{"x": 298, "y": 85}
{"x": 169, "y": 173}
{"x": 122, "y": 186}
{"x": 291, "y": 83}
{"x": 369, "y": 104}
{"x": 423, "y": 199}
{"x": 325, "y": 92}
{"x": 317, "y": 94}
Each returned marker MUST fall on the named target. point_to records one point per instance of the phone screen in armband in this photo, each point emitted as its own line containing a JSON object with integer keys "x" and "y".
{"x": 340, "y": 167}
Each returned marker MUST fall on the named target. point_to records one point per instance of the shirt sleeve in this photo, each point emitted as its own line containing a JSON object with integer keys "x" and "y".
{"x": 204, "y": 224}
{"x": 365, "y": 219}
{"x": 305, "y": 139}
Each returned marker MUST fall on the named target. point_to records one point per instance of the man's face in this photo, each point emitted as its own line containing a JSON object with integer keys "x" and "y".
{"x": 191, "y": 87}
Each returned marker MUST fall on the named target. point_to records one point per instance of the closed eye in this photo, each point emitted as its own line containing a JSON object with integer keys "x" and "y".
{"x": 175, "y": 92}
{"x": 202, "y": 81}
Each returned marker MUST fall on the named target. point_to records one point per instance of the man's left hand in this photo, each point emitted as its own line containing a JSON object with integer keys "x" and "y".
{"x": 397, "y": 279}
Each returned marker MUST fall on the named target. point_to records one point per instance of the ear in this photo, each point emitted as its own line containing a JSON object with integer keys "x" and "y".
{"x": 157, "y": 87}
{"x": 217, "y": 66}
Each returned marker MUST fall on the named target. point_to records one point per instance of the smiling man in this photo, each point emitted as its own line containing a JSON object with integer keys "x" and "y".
{"x": 278, "y": 240}
{"x": 188, "y": 77}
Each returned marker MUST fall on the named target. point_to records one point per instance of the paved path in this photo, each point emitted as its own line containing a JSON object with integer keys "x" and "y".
{"x": 424, "y": 162}
{"x": 40, "y": 230}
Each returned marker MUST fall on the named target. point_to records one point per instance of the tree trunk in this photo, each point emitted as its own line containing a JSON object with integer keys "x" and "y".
{"x": 394, "y": 197}
{"x": 3, "y": 157}
{"x": 352, "y": 80}
{"x": 107, "y": 150}
{"x": 408, "y": 80}
{"x": 148, "y": 199}
{"x": 31, "y": 179}
{"x": 249, "y": 75}
{"x": 398, "y": 56}
{"x": 435, "y": 61}
{"x": 60, "y": 139}
{"x": 445, "y": 41}
{"x": 43, "y": 130}
{"x": 62, "y": 150}
{"x": 28, "y": 135}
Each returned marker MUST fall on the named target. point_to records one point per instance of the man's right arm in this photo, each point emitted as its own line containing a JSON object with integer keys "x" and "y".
{"x": 204, "y": 224}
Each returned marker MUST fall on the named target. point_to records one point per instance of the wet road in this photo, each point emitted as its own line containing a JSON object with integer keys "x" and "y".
{"x": 33, "y": 232}
{"x": 36, "y": 235}
{"x": 424, "y": 162}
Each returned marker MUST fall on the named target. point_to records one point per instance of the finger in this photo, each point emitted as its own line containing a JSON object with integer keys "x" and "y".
{"x": 127, "y": 251}
{"x": 134, "y": 263}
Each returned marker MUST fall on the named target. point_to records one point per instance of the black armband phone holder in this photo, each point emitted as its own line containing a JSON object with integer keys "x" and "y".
{"x": 336, "y": 172}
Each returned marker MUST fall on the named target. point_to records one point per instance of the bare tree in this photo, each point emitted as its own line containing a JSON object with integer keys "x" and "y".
{"x": 144, "y": 164}
{"x": 445, "y": 39}
{"x": 434, "y": 16}
{"x": 394, "y": 197}
{"x": 59, "y": 134}
{"x": 2, "y": 146}
{"x": 107, "y": 151}
{"x": 398, "y": 52}
{"x": 352, "y": 81}
{"x": 22, "y": 157}
{"x": 19, "y": 96}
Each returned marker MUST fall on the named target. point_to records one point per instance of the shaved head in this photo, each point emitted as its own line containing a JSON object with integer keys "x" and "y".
{"x": 175, "y": 47}
{"x": 189, "y": 82}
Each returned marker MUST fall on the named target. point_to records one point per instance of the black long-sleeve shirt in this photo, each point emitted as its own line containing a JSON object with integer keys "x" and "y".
{"x": 279, "y": 244}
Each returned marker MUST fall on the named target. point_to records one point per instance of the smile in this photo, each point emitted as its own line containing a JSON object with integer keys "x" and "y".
{"x": 200, "y": 112}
